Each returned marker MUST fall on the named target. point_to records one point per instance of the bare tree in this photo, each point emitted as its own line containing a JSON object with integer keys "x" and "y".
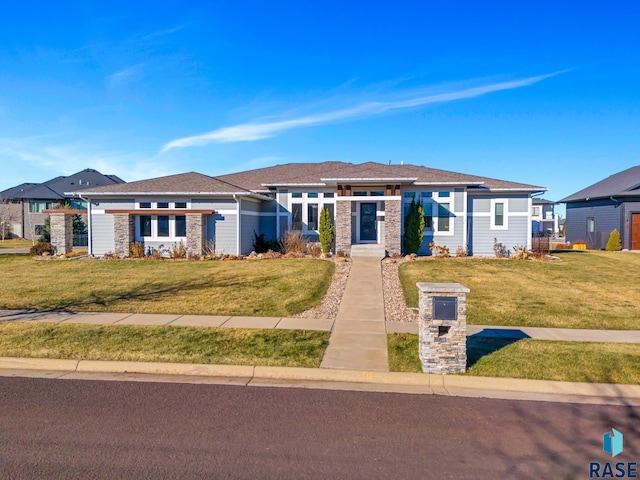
{"x": 7, "y": 216}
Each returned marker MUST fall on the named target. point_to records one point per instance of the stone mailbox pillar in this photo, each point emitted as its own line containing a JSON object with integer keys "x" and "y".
{"x": 61, "y": 230}
{"x": 443, "y": 327}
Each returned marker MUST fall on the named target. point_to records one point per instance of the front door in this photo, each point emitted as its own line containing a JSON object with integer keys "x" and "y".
{"x": 635, "y": 231}
{"x": 368, "y": 222}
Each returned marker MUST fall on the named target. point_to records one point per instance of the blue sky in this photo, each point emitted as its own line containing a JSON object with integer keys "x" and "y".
{"x": 546, "y": 93}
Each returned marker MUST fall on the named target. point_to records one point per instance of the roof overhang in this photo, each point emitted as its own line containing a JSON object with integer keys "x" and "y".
{"x": 366, "y": 181}
{"x": 165, "y": 194}
{"x": 161, "y": 211}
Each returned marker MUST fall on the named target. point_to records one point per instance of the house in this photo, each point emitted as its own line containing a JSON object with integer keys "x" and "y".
{"x": 29, "y": 201}
{"x": 542, "y": 216}
{"x": 592, "y": 213}
{"x": 367, "y": 201}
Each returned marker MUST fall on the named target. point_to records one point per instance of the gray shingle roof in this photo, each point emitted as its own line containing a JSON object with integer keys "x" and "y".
{"x": 33, "y": 191}
{"x": 191, "y": 182}
{"x": 625, "y": 183}
{"x": 319, "y": 173}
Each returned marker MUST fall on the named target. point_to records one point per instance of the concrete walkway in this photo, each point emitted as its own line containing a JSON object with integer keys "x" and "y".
{"x": 358, "y": 339}
{"x": 14, "y": 250}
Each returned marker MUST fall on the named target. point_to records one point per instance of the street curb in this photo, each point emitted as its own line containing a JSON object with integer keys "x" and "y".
{"x": 456, "y": 385}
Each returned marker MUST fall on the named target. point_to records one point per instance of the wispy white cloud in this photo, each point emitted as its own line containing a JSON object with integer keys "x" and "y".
{"x": 258, "y": 130}
{"x": 37, "y": 159}
{"x": 125, "y": 76}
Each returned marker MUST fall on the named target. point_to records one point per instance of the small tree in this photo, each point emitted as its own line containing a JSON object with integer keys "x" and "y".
{"x": 327, "y": 230}
{"x": 413, "y": 228}
{"x": 614, "y": 244}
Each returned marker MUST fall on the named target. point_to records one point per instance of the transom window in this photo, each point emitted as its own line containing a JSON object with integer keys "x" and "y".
{"x": 162, "y": 204}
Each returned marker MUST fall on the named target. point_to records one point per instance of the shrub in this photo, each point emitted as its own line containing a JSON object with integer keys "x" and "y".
{"x": 614, "y": 244}
{"x": 314, "y": 249}
{"x": 461, "y": 251}
{"x": 178, "y": 250}
{"x": 413, "y": 228}
{"x": 271, "y": 254}
{"x": 520, "y": 253}
{"x": 261, "y": 245}
{"x": 499, "y": 249}
{"x": 439, "y": 251}
{"x": 79, "y": 253}
{"x": 327, "y": 230}
{"x": 136, "y": 250}
{"x": 293, "y": 241}
{"x": 41, "y": 247}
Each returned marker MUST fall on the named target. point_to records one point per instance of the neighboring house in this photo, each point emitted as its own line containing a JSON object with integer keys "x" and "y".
{"x": 367, "y": 201}
{"x": 614, "y": 202}
{"x": 542, "y": 216}
{"x": 28, "y": 201}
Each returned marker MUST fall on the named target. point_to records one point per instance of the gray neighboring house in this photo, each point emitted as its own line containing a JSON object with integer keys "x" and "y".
{"x": 367, "y": 201}
{"x": 592, "y": 213}
{"x": 29, "y": 201}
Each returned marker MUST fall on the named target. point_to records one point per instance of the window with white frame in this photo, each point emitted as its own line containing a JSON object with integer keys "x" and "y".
{"x": 306, "y": 207}
{"x": 150, "y": 227}
{"x": 499, "y": 214}
{"x": 162, "y": 204}
{"x": 535, "y": 211}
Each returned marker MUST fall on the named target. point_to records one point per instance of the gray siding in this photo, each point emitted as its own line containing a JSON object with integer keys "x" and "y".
{"x": 102, "y": 234}
{"x": 629, "y": 208}
{"x": 452, "y": 241}
{"x": 607, "y": 215}
{"x": 248, "y": 225}
{"x": 214, "y": 204}
{"x": 250, "y": 206}
{"x": 482, "y": 237}
{"x": 113, "y": 204}
{"x": 268, "y": 226}
{"x": 223, "y": 228}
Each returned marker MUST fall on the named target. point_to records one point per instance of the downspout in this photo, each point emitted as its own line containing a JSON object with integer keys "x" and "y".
{"x": 238, "y": 229}
{"x": 89, "y": 237}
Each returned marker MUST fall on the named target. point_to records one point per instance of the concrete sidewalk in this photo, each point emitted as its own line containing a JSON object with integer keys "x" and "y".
{"x": 563, "y": 334}
{"x": 320, "y": 324}
{"x": 14, "y": 250}
{"x": 358, "y": 339}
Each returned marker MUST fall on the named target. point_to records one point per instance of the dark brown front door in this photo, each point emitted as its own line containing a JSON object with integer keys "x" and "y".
{"x": 635, "y": 231}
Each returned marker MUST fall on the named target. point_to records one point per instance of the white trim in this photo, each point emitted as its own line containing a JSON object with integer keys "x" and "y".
{"x": 505, "y": 214}
{"x": 98, "y": 211}
{"x": 154, "y": 228}
{"x": 367, "y": 199}
{"x": 465, "y": 220}
{"x": 529, "y": 224}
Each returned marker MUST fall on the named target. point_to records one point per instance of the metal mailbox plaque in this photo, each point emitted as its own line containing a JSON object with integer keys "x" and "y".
{"x": 445, "y": 308}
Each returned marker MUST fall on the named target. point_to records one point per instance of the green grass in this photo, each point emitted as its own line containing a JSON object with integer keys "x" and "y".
{"x": 15, "y": 243}
{"x": 532, "y": 359}
{"x": 276, "y": 288}
{"x": 595, "y": 290}
{"x": 291, "y": 348}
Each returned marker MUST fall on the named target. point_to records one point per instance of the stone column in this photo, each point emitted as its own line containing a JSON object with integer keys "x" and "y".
{"x": 61, "y": 230}
{"x": 343, "y": 226}
{"x": 392, "y": 227}
{"x": 123, "y": 233}
{"x": 196, "y": 233}
{"x": 443, "y": 327}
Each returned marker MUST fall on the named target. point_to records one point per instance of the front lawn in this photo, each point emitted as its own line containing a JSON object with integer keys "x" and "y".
{"x": 229, "y": 346}
{"x": 532, "y": 359}
{"x": 15, "y": 243}
{"x": 595, "y": 290}
{"x": 276, "y": 288}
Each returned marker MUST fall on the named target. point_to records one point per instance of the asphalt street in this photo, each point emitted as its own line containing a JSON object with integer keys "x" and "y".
{"x": 78, "y": 429}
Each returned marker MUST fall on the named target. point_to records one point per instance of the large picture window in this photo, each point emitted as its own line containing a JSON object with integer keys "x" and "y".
{"x": 312, "y": 216}
{"x": 145, "y": 225}
{"x": 163, "y": 225}
{"x": 444, "y": 222}
{"x": 296, "y": 216}
{"x": 181, "y": 226}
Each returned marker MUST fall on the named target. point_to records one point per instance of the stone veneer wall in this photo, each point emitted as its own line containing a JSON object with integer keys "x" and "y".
{"x": 61, "y": 229}
{"x": 392, "y": 227}
{"x": 196, "y": 229}
{"x": 123, "y": 233}
{"x": 442, "y": 352}
{"x": 343, "y": 226}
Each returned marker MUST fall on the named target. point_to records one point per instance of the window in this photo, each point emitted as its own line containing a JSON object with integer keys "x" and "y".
{"x": 359, "y": 194}
{"x": 312, "y": 195}
{"x": 428, "y": 216}
{"x": 328, "y": 195}
{"x": 296, "y": 216}
{"x": 535, "y": 211}
{"x": 296, "y": 194}
{"x": 38, "y": 207}
{"x": 163, "y": 204}
{"x": 499, "y": 214}
{"x": 426, "y": 194}
{"x": 377, "y": 193}
{"x": 145, "y": 204}
{"x": 163, "y": 225}
{"x": 312, "y": 216}
{"x": 39, "y": 229}
{"x": 444, "y": 194}
{"x": 409, "y": 194}
{"x": 591, "y": 225}
{"x": 330, "y": 207}
{"x": 443, "y": 217}
{"x": 145, "y": 225}
{"x": 181, "y": 205}
{"x": 181, "y": 226}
